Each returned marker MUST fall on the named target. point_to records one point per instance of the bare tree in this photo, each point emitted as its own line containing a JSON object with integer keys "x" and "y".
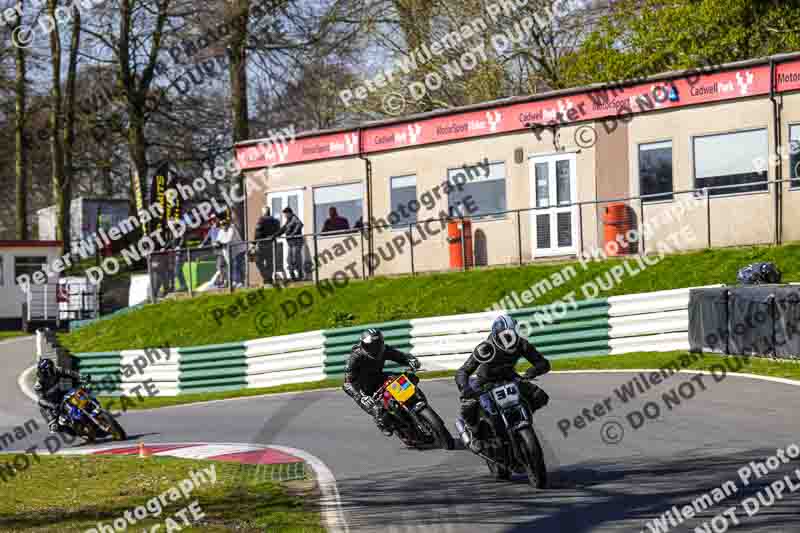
{"x": 20, "y": 147}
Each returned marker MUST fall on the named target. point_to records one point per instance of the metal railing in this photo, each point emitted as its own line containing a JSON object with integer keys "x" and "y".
{"x": 509, "y": 237}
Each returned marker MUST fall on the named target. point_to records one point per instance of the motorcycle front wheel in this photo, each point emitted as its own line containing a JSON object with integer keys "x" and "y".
{"x": 532, "y": 457}
{"x": 443, "y": 438}
{"x": 88, "y": 432}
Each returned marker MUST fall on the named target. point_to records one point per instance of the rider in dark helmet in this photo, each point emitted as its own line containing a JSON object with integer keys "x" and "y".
{"x": 494, "y": 360}
{"x": 363, "y": 374}
{"x": 48, "y": 388}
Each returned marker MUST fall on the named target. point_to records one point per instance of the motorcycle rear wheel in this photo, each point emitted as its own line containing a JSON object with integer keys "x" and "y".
{"x": 116, "y": 431}
{"x": 532, "y": 455}
{"x": 443, "y": 438}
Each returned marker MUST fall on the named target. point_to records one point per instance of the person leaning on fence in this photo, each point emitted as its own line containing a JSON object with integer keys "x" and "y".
{"x": 234, "y": 250}
{"x": 266, "y": 229}
{"x": 159, "y": 273}
{"x": 211, "y": 239}
{"x": 177, "y": 244}
{"x": 293, "y": 230}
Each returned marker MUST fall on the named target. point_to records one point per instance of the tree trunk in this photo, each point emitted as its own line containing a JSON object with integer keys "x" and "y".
{"x": 240, "y": 15}
{"x": 20, "y": 148}
{"x": 69, "y": 123}
{"x": 135, "y": 87}
{"x": 137, "y": 148}
{"x": 56, "y": 128}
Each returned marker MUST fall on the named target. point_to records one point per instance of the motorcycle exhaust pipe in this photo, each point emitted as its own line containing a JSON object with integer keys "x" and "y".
{"x": 463, "y": 432}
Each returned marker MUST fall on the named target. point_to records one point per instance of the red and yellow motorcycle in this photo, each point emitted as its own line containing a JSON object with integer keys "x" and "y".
{"x": 413, "y": 419}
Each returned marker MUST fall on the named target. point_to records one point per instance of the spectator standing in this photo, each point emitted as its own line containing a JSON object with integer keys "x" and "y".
{"x": 212, "y": 239}
{"x": 159, "y": 271}
{"x": 266, "y": 230}
{"x": 234, "y": 251}
{"x": 180, "y": 259}
{"x": 293, "y": 230}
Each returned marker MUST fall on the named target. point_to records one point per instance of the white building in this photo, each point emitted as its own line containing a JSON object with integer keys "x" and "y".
{"x": 16, "y": 258}
{"x": 86, "y": 214}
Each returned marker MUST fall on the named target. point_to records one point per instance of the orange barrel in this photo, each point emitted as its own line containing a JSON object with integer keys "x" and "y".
{"x": 454, "y": 240}
{"x": 467, "y": 229}
{"x": 457, "y": 254}
{"x": 617, "y": 222}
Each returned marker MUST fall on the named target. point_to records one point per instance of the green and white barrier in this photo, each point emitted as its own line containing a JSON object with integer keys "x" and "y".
{"x": 655, "y": 321}
{"x": 288, "y": 359}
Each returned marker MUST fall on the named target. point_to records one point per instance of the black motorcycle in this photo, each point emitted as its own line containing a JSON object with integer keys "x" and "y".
{"x": 505, "y": 428}
{"x": 415, "y": 422}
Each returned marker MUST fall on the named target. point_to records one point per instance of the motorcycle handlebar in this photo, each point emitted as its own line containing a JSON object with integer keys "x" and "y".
{"x": 486, "y": 387}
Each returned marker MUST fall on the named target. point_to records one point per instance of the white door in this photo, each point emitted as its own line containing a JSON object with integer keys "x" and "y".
{"x": 553, "y": 189}
{"x": 278, "y": 201}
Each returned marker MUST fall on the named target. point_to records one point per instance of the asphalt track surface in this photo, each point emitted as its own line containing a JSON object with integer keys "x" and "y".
{"x": 595, "y": 486}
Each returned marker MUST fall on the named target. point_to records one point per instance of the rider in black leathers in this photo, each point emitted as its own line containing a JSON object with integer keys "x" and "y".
{"x": 493, "y": 360}
{"x": 363, "y": 374}
{"x": 48, "y": 388}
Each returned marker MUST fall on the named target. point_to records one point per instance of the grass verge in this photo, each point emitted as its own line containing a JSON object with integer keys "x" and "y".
{"x": 654, "y": 360}
{"x": 260, "y": 313}
{"x": 5, "y": 335}
{"x": 82, "y": 491}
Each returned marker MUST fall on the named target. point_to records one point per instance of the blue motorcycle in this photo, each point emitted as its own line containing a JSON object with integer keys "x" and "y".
{"x": 87, "y": 418}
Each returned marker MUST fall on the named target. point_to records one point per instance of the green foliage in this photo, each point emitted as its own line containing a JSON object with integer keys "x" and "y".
{"x": 644, "y": 37}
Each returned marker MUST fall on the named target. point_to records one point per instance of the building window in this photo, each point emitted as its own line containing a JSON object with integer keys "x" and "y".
{"x": 404, "y": 201}
{"x": 655, "y": 171}
{"x": 338, "y": 207}
{"x": 794, "y": 156}
{"x": 731, "y": 162}
{"x": 28, "y": 265}
{"x": 480, "y": 195}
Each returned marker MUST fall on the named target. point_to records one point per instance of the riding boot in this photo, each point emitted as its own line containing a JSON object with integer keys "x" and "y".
{"x": 383, "y": 421}
{"x": 475, "y": 443}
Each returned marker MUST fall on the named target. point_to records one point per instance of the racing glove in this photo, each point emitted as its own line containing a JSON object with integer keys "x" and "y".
{"x": 414, "y": 363}
{"x": 530, "y": 373}
{"x": 368, "y": 403}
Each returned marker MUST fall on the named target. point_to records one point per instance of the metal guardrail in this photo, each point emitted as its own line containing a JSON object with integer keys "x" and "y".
{"x": 232, "y": 266}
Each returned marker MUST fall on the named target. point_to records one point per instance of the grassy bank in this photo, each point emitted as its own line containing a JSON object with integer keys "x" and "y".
{"x": 82, "y": 491}
{"x": 192, "y": 322}
{"x": 654, "y": 360}
{"x": 5, "y": 335}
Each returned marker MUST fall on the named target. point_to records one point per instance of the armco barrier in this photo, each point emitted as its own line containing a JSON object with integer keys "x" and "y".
{"x": 445, "y": 342}
{"x": 650, "y": 322}
{"x": 655, "y": 321}
{"x": 287, "y": 359}
{"x": 105, "y": 368}
{"x": 217, "y": 367}
{"x": 161, "y": 367}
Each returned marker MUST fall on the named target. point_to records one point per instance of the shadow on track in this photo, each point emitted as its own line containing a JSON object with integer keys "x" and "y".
{"x": 600, "y": 496}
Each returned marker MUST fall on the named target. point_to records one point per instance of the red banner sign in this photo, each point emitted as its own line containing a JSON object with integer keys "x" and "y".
{"x": 608, "y": 103}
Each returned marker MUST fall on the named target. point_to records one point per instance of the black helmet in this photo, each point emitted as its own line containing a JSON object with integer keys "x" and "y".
{"x": 504, "y": 333}
{"x": 46, "y": 368}
{"x": 372, "y": 342}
